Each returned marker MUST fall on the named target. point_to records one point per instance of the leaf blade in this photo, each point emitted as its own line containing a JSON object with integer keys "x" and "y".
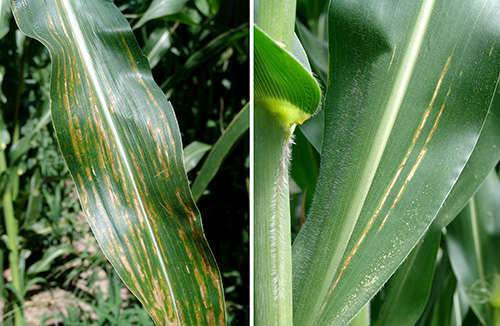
{"x": 367, "y": 58}
{"x": 238, "y": 126}
{"x": 115, "y": 144}
{"x": 406, "y": 294}
{"x": 193, "y": 153}
{"x": 161, "y": 8}
{"x": 472, "y": 239}
{"x": 484, "y": 158}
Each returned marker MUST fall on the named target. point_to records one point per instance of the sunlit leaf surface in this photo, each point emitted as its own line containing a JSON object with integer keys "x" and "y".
{"x": 409, "y": 88}
{"x": 120, "y": 139}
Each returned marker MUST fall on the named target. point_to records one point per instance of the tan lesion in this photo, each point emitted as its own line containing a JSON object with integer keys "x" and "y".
{"x": 392, "y": 59}
{"x": 417, "y": 163}
{"x": 403, "y": 187}
{"x": 414, "y": 140}
{"x": 397, "y": 174}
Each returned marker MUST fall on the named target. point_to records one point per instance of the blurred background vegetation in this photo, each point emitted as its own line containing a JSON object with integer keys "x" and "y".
{"x": 198, "y": 51}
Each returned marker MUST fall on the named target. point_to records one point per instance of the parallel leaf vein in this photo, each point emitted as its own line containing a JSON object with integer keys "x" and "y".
{"x": 95, "y": 81}
{"x": 384, "y": 130}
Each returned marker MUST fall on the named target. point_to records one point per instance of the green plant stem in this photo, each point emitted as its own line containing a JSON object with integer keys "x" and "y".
{"x": 12, "y": 190}
{"x": 11, "y": 226}
{"x": 272, "y": 230}
{"x": 277, "y": 19}
{"x": 272, "y": 247}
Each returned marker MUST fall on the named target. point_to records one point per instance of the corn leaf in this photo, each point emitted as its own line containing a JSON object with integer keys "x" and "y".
{"x": 409, "y": 88}
{"x": 317, "y": 51}
{"x": 193, "y": 153}
{"x": 161, "y": 8}
{"x": 157, "y": 45}
{"x": 281, "y": 78}
{"x": 121, "y": 142}
{"x": 403, "y": 283}
{"x": 484, "y": 158}
{"x": 406, "y": 294}
{"x": 4, "y": 18}
{"x": 442, "y": 275}
{"x": 473, "y": 239}
{"x": 238, "y": 126}
{"x": 207, "y": 52}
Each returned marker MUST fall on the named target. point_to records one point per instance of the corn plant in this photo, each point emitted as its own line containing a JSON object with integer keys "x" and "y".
{"x": 17, "y": 138}
{"x": 406, "y": 132}
{"x": 121, "y": 142}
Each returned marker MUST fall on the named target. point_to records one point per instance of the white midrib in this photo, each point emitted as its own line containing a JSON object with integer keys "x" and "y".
{"x": 384, "y": 130}
{"x": 95, "y": 81}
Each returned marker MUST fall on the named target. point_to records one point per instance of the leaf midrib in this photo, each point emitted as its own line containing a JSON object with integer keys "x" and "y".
{"x": 94, "y": 80}
{"x": 383, "y": 133}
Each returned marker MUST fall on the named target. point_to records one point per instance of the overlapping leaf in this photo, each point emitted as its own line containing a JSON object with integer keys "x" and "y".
{"x": 410, "y": 85}
{"x": 120, "y": 139}
{"x": 4, "y": 17}
{"x": 161, "y": 8}
{"x": 405, "y": 296}
{"x": 485, "y": 156}
{"x": 281, "y": 78}
{"x": 473, "y": 238}
{"x": 238, "y": 126}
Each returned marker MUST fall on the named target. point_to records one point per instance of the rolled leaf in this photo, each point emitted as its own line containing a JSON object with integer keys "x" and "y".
{"x": 121, "y": 142}
{"x": 282, "y": 84}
